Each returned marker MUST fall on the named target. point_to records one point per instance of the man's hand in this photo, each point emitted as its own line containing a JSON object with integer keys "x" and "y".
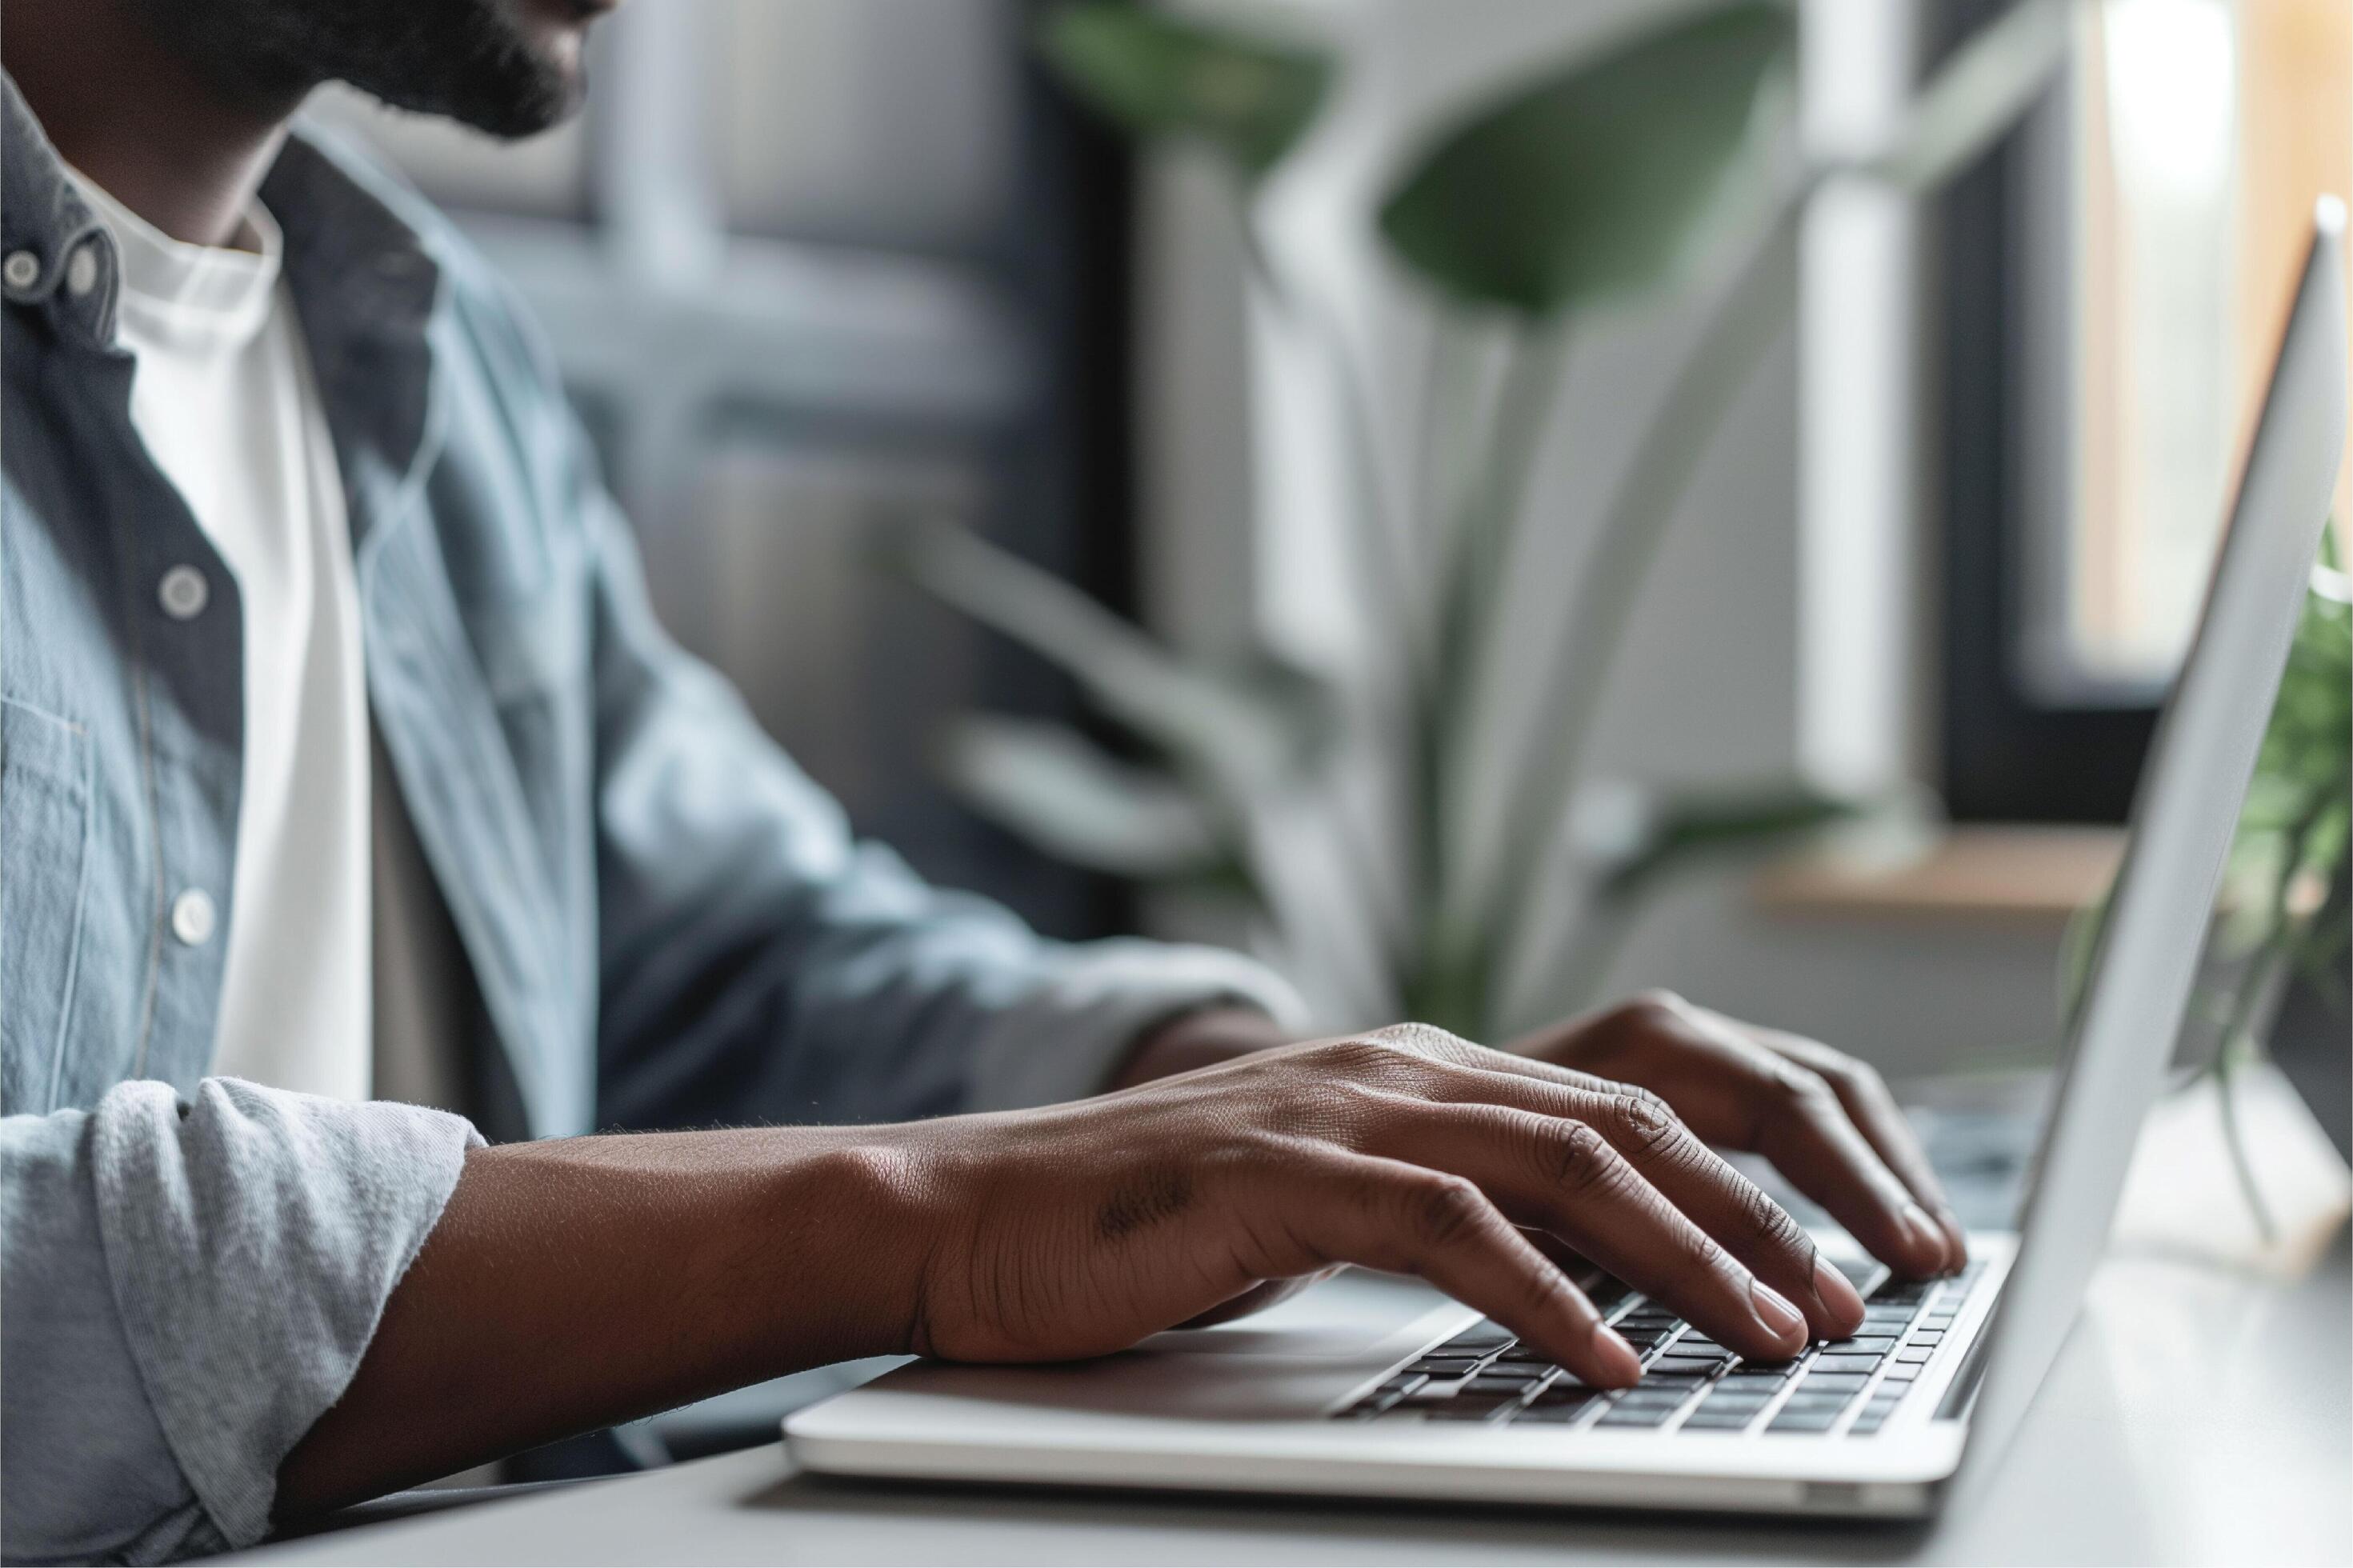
{"x": 577, "y": 1282}
{"x": 1079, "y": 1229}
{"x": 1825, "y": 1120}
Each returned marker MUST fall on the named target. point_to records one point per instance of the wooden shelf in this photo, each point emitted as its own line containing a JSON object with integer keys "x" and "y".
{"x": 2003, "y": 872}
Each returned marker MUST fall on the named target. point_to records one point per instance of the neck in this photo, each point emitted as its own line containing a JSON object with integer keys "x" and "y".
{"x": 124, "y": 110}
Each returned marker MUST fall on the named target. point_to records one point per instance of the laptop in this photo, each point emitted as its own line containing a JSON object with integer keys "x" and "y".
{"x": 1373, "y": 1385}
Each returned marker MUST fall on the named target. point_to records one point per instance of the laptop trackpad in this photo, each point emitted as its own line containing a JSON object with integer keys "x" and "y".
{"x": 1289, "y": 1362}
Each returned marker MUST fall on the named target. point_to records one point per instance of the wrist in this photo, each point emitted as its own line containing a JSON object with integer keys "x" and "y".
{"x": 1202, "y": 1037}
{"x": 866, "y": 1212}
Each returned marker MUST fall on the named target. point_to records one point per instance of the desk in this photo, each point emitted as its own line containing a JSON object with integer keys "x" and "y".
{"x": 2192, "y": 1417}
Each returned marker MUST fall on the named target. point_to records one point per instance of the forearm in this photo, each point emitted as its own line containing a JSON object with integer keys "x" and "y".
{"x": 1201, "y": 1039}
{"x": 577, "y": 1282}
{"x": 574, "y": 1283}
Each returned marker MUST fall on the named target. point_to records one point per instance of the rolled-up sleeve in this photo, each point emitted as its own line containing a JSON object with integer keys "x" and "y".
{"x": 185, "y": 1286}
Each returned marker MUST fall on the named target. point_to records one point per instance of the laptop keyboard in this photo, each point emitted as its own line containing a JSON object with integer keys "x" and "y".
{"x": 1843, "y": 1388}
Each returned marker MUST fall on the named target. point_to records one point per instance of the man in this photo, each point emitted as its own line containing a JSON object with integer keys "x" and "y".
{"x": 340, "y": 756}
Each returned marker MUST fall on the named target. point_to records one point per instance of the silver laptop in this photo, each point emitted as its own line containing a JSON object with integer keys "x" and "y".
{"x": 1372, "y": 1386}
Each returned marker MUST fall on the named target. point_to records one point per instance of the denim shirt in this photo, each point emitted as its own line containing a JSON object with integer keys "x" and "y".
{"x": 666, "y": 923}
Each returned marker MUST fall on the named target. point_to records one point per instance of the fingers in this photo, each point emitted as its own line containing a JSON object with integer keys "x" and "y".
{"x": 1873, "y": 1110}
{"x": 1697, "y": 1181}
{"x": 1569, "y": 1177}
{"x": 1411, "y": 1219}
{"x": 1800, "y": 1126}
{"x": 1734, "y": 1090}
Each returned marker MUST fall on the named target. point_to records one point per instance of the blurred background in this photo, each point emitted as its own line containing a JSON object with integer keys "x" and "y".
{"x": 1490, "y": 504}
{"x": 815, "y": 268}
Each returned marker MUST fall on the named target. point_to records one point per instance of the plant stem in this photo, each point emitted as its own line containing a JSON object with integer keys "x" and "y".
{"x": 1387, "y": 567}
{"x": 1384, "y": 567}
{"x": 2234, "y": 1140}
{"x": 1456, "y": 955}
{"x": 1746, "y": 318}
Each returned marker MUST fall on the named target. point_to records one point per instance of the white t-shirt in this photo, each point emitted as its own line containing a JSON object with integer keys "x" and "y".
{"x": 224, "y": 399}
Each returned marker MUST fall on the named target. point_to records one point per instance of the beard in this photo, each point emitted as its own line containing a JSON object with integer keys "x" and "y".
{"x": 474, "y": 62}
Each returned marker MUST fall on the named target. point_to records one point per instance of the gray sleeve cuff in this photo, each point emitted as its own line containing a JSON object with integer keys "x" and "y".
{"x": 252, "y": 1238}
{"x": 1065, "y": 1039}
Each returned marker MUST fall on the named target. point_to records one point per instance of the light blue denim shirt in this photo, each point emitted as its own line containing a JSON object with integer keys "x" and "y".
{"x": 665, "y": 921}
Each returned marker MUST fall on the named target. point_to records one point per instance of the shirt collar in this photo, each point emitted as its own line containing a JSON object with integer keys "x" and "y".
{"x": 202, "y": 297}
{"x": 365, "y": 281}
{"x": 43, "y": 223}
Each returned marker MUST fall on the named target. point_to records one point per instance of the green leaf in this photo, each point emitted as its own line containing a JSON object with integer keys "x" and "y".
{"x": 1064, "y": 795}
{"x": 1610, "y": 176}
{"x": 1249, "y": 98}
{"x": 1683, "y": 831}
{"x": 1981, "y": 90}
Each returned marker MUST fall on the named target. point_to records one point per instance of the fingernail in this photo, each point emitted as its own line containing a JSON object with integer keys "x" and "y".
{"x": 1773, "y": 1310}
{"x": 1926, "y": 1235}
{"x": 1836, "y": 1292}
{"x": 1618, "y": 1363}
{"x": 1955, "y": 1237}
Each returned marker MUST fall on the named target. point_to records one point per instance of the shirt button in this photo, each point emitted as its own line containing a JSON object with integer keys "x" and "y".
{"x": 81, "y": 270}
{"x": 192, "y": 917}
{"x": 22, "y": 270}
{"x": 184, "y": 593}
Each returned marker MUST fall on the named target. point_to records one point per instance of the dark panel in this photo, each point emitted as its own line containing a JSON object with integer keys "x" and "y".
{"x": 2006, "y": 756}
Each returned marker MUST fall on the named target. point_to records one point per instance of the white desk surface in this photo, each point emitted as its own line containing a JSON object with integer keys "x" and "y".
{"x": 2193, "y": 1418}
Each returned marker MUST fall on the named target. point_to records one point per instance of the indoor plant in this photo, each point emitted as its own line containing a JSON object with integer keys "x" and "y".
{"x": 1607, "y": 177}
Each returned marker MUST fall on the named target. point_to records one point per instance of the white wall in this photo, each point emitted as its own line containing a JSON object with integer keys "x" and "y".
{"x": 1743, "y": 660}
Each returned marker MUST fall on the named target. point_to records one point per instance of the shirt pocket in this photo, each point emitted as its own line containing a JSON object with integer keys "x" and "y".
{"x": 44, "y": 853}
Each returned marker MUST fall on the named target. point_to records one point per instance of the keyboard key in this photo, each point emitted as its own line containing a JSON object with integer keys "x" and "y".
{"x": 1662, "y": 1395}
{"x": 1676, "y": 1366}
{"x": 1916, "y": 1356}
{"x": 1499, "y": 1387}
{"x": 1389, "y": 1392}
{"x": 1833, "y": 1403}
{"x": 1445, "y": 1366}
{"x": 1551, "y": 1415}
{"x": 1832, "y": 1383}
{"x": 1476, "y": 1343}
{"x": 1708, "y": 1418}
{"x": 1804, "y": 1421}
{"x": 1754, "y": 1377}
{"x": 1835, "y": 1363}
{"x": 1623, "y": 1414}
{"x": 1904, "y": 1371}
{"x": 1864, "y": 1345}
{"x": 1928, "y": 1337}
{"x": 1752, "y": 1403}
{"x": 1568, "y": 1391}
